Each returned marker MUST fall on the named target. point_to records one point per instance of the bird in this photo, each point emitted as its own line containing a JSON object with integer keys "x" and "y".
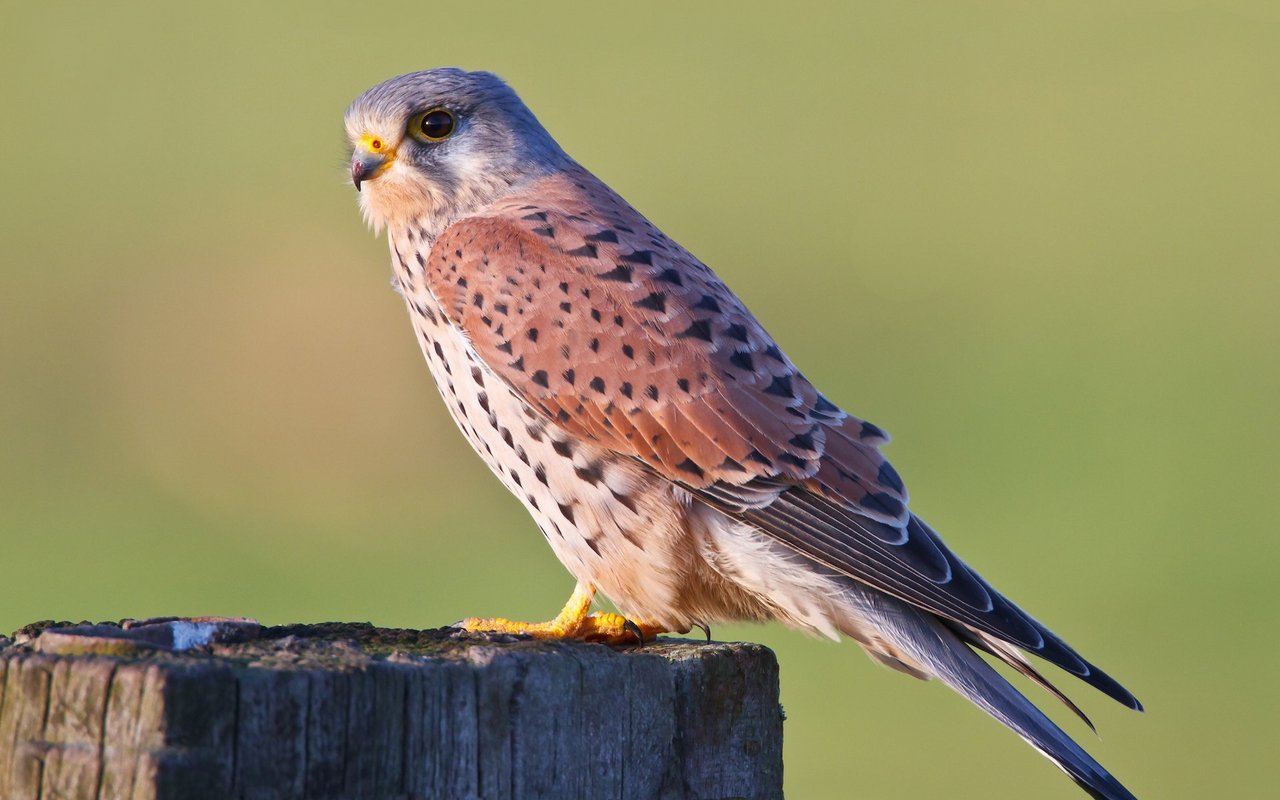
{"x": 671, "y": 454}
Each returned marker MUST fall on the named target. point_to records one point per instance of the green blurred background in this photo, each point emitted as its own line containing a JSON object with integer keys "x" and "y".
{"x": 1038, "y": 242}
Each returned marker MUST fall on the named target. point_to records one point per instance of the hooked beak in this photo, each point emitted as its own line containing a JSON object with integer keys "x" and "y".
{"x": 367, "y": 165}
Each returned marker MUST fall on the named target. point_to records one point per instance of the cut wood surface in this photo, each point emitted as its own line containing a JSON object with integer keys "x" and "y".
{"x": 356, "y": 712}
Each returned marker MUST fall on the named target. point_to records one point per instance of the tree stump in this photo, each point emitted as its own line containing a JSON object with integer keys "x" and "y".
{"x": 171, "y": 710}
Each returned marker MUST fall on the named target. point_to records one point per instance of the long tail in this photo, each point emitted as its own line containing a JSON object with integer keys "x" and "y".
{"x": 920, "y": 643}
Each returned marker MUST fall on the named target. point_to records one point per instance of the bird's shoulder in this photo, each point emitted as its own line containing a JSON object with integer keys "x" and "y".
{"x": 613, "y": 331}
{"x": 573, "y": 229}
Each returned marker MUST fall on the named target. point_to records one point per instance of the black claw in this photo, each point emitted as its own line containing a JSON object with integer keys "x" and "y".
{"x": 635, "y": 629}
{"x": 705, "y": 629}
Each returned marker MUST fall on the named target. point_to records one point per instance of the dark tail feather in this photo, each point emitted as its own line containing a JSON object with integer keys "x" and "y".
{"x": 932, "y": 647}
{"x": 1014, "y": 658}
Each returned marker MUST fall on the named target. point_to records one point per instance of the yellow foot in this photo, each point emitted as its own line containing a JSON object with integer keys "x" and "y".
{"x": 573, "y": 622}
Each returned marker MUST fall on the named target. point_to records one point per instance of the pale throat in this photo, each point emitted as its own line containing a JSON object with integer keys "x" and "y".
{"x": 414, "y": 206}
{"x": 398, "y": 200}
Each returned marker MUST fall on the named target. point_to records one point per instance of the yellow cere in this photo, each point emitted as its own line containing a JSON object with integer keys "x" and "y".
{"x": 376, "y": 144}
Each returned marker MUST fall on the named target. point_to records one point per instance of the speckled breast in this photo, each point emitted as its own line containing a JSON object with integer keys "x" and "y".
{"x": 609, "y": 520}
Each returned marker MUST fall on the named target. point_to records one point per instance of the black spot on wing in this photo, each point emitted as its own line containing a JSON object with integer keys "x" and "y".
{"x": 883, "y": 503}
{"x": 620, "y": 273}
{"x": 742, "y": 360}
{"x": 691, "y": 467}
{"x": 794, "y": 460}
{"x": 707, "y": 303}
{"x": 780, "y": 386}
{"x": 888, "y": 477}
{"x": 825, "y": 407}
{"x": 672, "y": 276}
{"x": 656, "y": 301}
{"x": 870, "y": 431}
{"x": 804, "y": 441}
{"x": 698, "y": 329}
{"x": 638, "y": 257}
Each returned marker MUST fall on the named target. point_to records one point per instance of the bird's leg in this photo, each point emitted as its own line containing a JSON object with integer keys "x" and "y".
{"x": 573, "y": 622}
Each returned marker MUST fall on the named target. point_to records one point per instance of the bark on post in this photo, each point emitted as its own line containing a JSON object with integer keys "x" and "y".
{"x": 352, "y": 711}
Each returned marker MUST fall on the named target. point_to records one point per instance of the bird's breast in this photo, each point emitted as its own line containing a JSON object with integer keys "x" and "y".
{"x": 610, "y": 521}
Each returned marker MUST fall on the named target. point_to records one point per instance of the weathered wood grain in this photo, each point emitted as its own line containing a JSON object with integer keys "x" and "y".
{"x": 356, "y": 712}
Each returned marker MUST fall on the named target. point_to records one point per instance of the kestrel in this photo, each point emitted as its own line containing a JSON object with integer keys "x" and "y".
{"x": 672, "y": 455}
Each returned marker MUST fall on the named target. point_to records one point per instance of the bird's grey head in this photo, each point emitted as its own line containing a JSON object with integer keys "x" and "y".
{"x": 430, "y": 146}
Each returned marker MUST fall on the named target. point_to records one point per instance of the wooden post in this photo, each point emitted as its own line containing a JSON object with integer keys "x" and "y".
{"x": 361, "y": 713}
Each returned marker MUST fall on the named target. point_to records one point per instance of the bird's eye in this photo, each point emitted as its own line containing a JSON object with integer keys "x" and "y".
{"x": 434, "y": 125}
